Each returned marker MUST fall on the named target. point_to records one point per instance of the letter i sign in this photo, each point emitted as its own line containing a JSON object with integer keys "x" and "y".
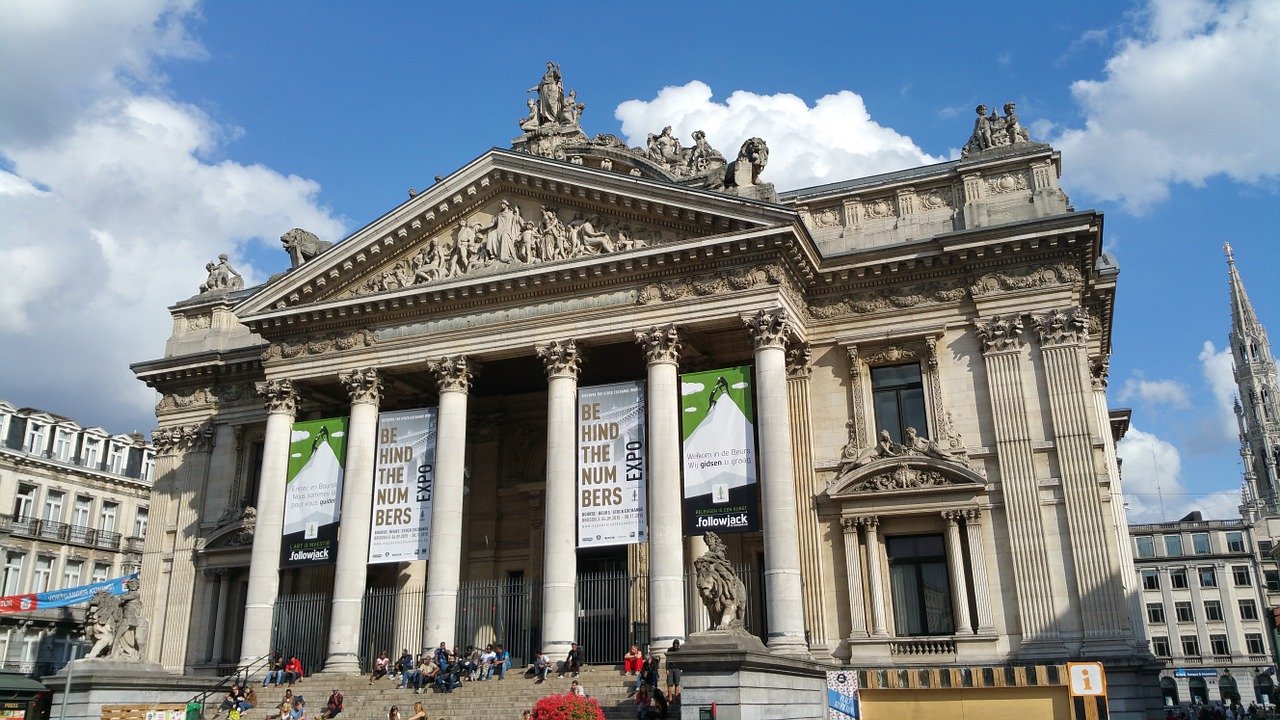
{"x": 1086, "y": 679}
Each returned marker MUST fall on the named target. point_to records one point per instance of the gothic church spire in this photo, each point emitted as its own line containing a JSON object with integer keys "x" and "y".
{"x": 1256, "y": 408}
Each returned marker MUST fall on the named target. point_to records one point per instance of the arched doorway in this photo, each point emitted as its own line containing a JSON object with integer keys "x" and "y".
{"x": 1199, "y": 691}
{"x": 1169, "y": 691}
{"x": 1228, "y": 690}
{"x": 1264, "y": 688}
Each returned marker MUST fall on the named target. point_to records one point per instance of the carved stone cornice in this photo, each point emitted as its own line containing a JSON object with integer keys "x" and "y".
{"x": 716, "y": 283}
{"x": 280, "y": 394}
{"x": 561, "y": 358}
{"x": 1099, "y": 369}
{"x": 453, "y": 373}
{"x": 768, "y": 329}
{"x": 364, "y": 385}
{"x": 183, "y": 439}
{"x": 1000, "y": 333}
{"x": 333, "y": 342}
{"x": 799, "y": 361}
{"x": 205, "y": 397}
{"x": 1062, "y": 273}
{"x": 661, "y": 344}
{"x": 1061, "y": 327}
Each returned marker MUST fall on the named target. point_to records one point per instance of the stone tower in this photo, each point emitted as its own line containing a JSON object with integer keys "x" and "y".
{"x": 1256, "y": 409}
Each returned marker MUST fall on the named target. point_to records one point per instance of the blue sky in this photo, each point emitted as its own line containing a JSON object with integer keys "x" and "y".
{"x": 139, "y": 139}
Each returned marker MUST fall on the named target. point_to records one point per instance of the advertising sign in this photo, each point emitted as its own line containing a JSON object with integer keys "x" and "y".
{"x": 718, "y": 427}
{"x": 403, "y": 483}
{"x": 64, "y": 597}
{"x": 313, "y": 492}
{"x": 842, "y": 695}
{"x": 612, "y": 473}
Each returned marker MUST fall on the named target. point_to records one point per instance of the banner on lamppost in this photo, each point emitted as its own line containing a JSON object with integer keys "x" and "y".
{"x": 717, "y": 423}
{"x": 313, "y": 492}
{"x": 612, "y": 472}
{"x": 403, "y": 484}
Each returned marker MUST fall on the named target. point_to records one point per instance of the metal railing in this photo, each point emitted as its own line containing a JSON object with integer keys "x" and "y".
{"x": 500, "y": 611}
{"x": 63, "y": 532}
{"x": 133, "y": 544}
{"x": 240, "y": 675}
{"x": 301, "y": 628}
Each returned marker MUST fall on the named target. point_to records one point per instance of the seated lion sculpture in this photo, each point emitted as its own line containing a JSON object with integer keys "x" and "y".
{"x": 746, "y": 169}
{"x": 722, "y": 591}
{"x": 302, "y": 245}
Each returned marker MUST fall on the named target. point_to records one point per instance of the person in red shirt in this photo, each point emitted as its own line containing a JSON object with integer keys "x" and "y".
{"x": 293, "y": 669}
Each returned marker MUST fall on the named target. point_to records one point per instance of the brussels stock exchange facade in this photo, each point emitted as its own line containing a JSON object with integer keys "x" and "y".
{"x": 508, "y": 409}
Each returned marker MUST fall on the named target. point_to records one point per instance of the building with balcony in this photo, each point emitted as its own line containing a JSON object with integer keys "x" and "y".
{"x": 78, "y": 513}
{"x": 1203, "y": 600}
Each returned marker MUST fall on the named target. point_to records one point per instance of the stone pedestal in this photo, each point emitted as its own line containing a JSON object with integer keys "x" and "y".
{"x": 745, "y": 681}
{"x": 97, "y": 683}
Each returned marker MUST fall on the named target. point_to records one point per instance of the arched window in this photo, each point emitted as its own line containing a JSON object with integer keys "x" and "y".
{"x": 1169, "y": 691}
{"x": 1199, "y": 691}
{"x": 1227, "y": 688}
{"x": 1263, "y": 689}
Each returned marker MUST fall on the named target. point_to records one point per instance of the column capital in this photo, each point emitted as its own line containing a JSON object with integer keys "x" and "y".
{"x": 218, "y": 573}
{"x": 1000, "y": 333}
{"x": 561, "y": 357}
{"x": 768, "y": 329}
{"x": 453, "y": 373}
{"x": 282, "y": 397}
{"x": 799, "y": 361}
{"x": 183, "y": 439}
{"x": 973, "y": 516}
{"x": 1061, "y": 326}
{"x": 850, "y": 525}
{"x": 661, "y": 344}
{"x": 952, "y": 517}
{"x": 364, "y": 385}
{"x": 871, "y": 522}
{"x": 1099, "y": 369}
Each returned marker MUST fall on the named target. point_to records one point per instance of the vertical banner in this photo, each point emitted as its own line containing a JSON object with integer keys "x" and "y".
{"x": 717, "y": 424}
{"x": 403, "y": 484}
{"x": 313, "y": 492}
{"x": 611, "y": 465}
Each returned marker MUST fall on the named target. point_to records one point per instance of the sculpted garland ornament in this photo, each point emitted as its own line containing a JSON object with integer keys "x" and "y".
{"x": 334, "y": 342}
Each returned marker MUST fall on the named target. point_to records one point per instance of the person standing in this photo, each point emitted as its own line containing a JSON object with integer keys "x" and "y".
{"x": 673, "y": 674}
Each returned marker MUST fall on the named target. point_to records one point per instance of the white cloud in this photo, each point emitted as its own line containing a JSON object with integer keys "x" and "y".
{"x": 835, "y": 139}
{"x": 111, "y": 207}
{"x": 1219, "y": 375}
{"x": 1192, "y": 96}
{"x": 1155, "y": 392}
{"x": 1153, "y": 489}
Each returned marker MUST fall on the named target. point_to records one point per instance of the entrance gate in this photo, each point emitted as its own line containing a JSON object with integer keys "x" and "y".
{"x": 300, "y": 628}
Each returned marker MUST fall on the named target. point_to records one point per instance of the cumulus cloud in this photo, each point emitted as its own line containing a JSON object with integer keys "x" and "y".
{"x": 111, "y": 203}
{"x": 835, "y": 139}
{"x": 1153, "y": 488}
{"x": 1192, "y": 95}
{"x": 1219, "y": 375}
{"x": 1155, "y": 392}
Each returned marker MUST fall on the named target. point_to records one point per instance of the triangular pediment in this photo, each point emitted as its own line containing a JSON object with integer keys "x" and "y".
{"x": 905, "y": 474}
{"x": 504, "y": 213}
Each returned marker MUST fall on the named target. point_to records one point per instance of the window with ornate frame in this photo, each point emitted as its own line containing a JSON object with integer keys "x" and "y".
{"x": 921, "y": 585}
{"x": 896, "y": 383}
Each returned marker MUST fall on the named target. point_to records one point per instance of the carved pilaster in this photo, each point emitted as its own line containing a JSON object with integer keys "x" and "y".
{"x": 768, "y": 329}
{"x": 1061, "y": 327}
{"x": 281, "y": 396}
{"x": 858, "y": 431}
{"x": 562, "y": 358}
{"x": 799, "y": 361}
{"x": 452, "y": 373}
{"x": 183, "y": 439}
{"x": 1000, "y": 334}
{"x": 364, "y": 385}
{"x": 978, "y": 571}
{"x": 853, "y": 576}
{"x": 661, "y": 344}
{"x": 944, "y": 426}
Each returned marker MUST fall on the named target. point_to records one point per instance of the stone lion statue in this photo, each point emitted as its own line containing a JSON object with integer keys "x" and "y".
{"x": 722, "y": 591}
{"x": 746, "y": 169}
{"x": 302, "y": 245}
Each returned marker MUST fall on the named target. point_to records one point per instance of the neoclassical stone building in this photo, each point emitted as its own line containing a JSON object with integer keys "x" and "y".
{"x": 937, "y": 478}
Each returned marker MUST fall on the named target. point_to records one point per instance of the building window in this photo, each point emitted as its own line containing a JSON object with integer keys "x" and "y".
{"x": 1155, "y": 613}
{"x": 42, "y": 574}
{"x": 92, "y": 455}
{"x": 1178, "y": 579}
{"x": 920, "y": 584}
{"x": 1208, "y": 578}
{"x": 1248, "y": 610}
{"x": 897, "y": 392}
{"x": 1213, "y": 610}
{"x": 1182, "y": 611}
{"x": 1190, "y": 645}
{"x": 1146, "y": 546}
{"x": 64, "y": 442}
{"x": 80, "y": 511}
{"x": 101, "y": 571}
{"x": 1235, "y": 542}
{"x": 1172, "y": 545}
{"x": 109, "y": 512}
{"x": 1160, "y": 646}
{"x": 1200, "y": 543}
{"x": 72, "y": 571}
{"x": 24, "y": 505}
{"x": 1264, "y": 548}
{"x": 35, "y": 440}
{"x": 1253, "y": 642}
{"x": 1273, "y": 580}
{"x": 140, "y": 523}
{"x": 115, "y": 459}
{"x": 148, "y": 466}
{"x": 1218, "y": 645}
{"x": 1241, "y": 576}
{"x": 1150, "y": 579}
{"x": 53, "y": 506}
{"x": 13, "y": 572}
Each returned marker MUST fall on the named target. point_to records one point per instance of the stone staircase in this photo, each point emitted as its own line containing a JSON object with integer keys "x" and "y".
{"x": 491, "y": 700}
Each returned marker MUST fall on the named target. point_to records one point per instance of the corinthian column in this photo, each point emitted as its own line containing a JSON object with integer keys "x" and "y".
{"x": 978, "y": 565}
{"x": 666, "y": 537}
{"x": 879, "y": 628}
{"x": 560, "y": 565}
{"x": 785, "y": 592}
{"x": 853, "y": 576}
{"x": 955, "y": 568}
{"x": 365, "y": 388}
{"x": 799, "y": 370}
{"x": 444, "y": 570}
{"x": 264, "y": 566}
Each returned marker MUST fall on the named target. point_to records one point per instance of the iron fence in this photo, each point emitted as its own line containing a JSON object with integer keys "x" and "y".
{"x": 500, "y": 611}
{"x": 392, "y": 621}
{"x": 301, "y": 628}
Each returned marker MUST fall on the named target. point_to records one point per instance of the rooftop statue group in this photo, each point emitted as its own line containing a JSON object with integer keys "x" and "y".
{"x": 992, "y": 131}
{"x": 222, "y": 277}
{"x": 114, "y": 624}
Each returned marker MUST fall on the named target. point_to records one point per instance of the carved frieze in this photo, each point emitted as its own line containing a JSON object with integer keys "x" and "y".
{"x": 1060, "y": 326}
{"x": 711, "y": 284}
{"x": 891, "y": 354}
{"x": 561, "y": 358}
{"x": 183, "y": 439}
{"x": 935, "y": 199}
{"x": 453, "y": 373}
{"x": 878, "y": 208}
{"x": 199, "y": 322}
{"x": 825, "y": 218}
{"x": 903, "y": 477}
{"x": 1000, "y": 333}
{"x": 661, "y": 344}
{"x": 768, "y": 329}
{"x": 1025, "y": 279}
{"x": 1007, "y": 183}
{"x": 176, "y": 401}
{"x": 894, "y": 297}
{"x": 363, "y": 384}
{"x": 333, "y": 342}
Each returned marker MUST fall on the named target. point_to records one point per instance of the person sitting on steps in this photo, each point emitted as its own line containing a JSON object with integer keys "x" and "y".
{"x": 572, "y": 661}
{"x": 541, "y": 666}
{"x": 632, "y": 661}
{"x": 332, "y": 708}
{"x": 380, "y": 667}
{"x": 419, "y": 711}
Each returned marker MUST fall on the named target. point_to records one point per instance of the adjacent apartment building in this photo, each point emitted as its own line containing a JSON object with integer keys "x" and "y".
{"x": 78, "y": 513}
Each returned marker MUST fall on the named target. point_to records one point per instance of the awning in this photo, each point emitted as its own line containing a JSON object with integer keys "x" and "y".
{"x": 16, "y": 686}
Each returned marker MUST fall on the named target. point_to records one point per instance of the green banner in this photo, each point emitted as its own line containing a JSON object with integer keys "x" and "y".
{"x": 313, "y": 492}
{"x": 717, "y": 423}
